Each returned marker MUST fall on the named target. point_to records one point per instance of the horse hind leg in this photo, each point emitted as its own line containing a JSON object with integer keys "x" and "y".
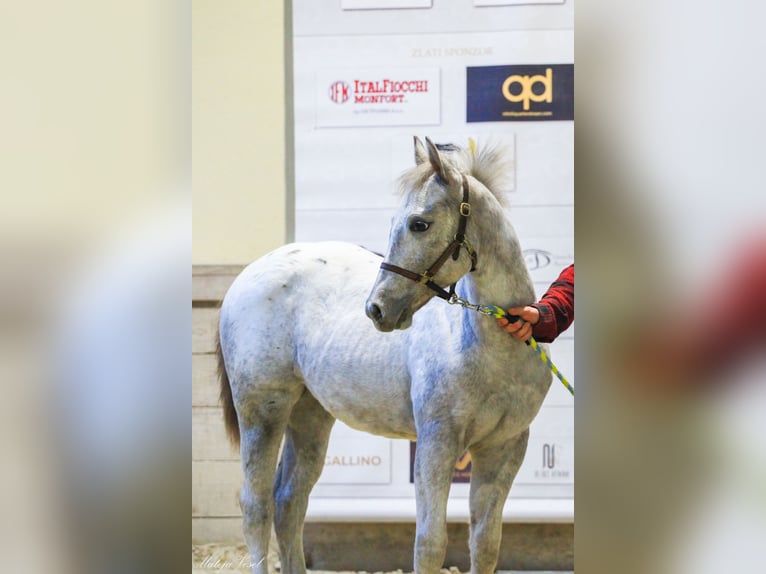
{"x": 303, "y": 454}
{"x": 493, "y": 468}
{"x": 262, "y": 421}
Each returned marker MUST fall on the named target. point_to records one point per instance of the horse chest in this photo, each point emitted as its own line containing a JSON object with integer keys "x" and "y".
{"x": 481, "y": 393}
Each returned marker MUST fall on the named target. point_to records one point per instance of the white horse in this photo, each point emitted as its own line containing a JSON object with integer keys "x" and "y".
{"x": 296, "y": 352}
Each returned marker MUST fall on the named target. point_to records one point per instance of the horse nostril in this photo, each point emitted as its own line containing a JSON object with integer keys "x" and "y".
{"x": 374, "y": 312}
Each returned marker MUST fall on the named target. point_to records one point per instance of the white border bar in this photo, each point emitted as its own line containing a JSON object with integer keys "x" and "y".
{"x": 559, "y": 510}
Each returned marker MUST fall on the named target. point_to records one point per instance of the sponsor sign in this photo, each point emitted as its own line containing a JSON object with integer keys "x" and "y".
{"x": 378, "y": 97}
{"x": 383, "y": 4}
{"x": 513, "y": 2}
{"x": 520, "y": 93}
{"x": 548, "y": 461}
{"x": 462, "y": 471}
{"x": 550, "y": 452}
{"x": 356, "y": 458}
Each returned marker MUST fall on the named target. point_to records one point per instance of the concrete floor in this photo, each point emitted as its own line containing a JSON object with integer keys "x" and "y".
{"x": 333, "y": 548}
{"x": 387, "y": 547}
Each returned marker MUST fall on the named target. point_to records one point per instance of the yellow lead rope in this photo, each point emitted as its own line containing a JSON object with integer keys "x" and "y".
{"x": 532, "y": 343}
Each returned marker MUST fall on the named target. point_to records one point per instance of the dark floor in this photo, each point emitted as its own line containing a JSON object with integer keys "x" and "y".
{"x": 385, "y": 547}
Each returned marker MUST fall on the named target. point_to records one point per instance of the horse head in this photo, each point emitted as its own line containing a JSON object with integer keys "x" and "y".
{"x": 431, "y": 244}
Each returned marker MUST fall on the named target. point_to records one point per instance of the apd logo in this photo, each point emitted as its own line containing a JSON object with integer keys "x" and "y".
{"x": 339, "y": 92}
{"x": 520, "y": 93}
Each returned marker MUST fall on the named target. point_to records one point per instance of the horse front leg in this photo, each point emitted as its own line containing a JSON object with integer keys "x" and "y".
{"x": 435, "y": 459}
{"x": 493, "y": 468}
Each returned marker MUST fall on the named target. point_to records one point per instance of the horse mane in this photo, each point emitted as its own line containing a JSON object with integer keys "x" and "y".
{"x": 491, "y": 164}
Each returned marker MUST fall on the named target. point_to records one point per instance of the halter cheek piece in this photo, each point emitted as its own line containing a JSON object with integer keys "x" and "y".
{"x": 453, "y": 249}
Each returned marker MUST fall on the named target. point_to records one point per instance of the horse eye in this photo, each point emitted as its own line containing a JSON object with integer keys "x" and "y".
{"x": 418, "y": 225}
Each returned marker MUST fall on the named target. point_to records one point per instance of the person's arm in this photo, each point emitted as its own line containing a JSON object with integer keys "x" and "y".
{"x": 550, "y": 316}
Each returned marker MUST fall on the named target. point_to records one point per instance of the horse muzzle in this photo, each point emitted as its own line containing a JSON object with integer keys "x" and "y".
{"x": 388, "y": 320}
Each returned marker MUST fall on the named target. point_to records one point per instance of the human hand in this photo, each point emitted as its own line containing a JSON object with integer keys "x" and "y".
{"x": 521, "y": 329}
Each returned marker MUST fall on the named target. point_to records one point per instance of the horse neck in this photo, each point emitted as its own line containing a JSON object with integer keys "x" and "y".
{"x": 501, "y": 276}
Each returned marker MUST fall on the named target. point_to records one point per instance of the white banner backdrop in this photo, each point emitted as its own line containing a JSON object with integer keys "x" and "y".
{"x": 361, "y": 91}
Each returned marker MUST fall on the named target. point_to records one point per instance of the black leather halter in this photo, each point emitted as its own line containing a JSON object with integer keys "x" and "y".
{"x": 453, "y": 249}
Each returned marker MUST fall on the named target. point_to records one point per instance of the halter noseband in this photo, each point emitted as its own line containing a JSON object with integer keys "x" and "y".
{"x": 453, "y": 249}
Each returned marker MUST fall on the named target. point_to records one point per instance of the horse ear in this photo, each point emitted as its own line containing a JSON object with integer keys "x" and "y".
{"x": 441, "y": 166}
{"x": 421, "y": 155}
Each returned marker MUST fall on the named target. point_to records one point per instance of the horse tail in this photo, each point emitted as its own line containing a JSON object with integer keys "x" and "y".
{"x": 227, "y": 401}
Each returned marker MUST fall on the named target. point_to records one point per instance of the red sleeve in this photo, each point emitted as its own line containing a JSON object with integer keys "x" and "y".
{"x": 556, "y": 308}
{"x": 732, "y": 318}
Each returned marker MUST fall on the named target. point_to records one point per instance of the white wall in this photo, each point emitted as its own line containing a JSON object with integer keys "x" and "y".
{"x": 238, "y": 140}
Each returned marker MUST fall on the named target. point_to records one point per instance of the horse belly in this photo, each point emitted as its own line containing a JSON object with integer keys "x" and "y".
{"x": 357, "y": 375}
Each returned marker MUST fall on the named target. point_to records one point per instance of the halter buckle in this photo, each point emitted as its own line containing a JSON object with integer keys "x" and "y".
{"x": 465, "y": 209}
{"x": 455, "y": 300}
{"x": 425, "y": 278}
{"x": 465, "y": 244}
